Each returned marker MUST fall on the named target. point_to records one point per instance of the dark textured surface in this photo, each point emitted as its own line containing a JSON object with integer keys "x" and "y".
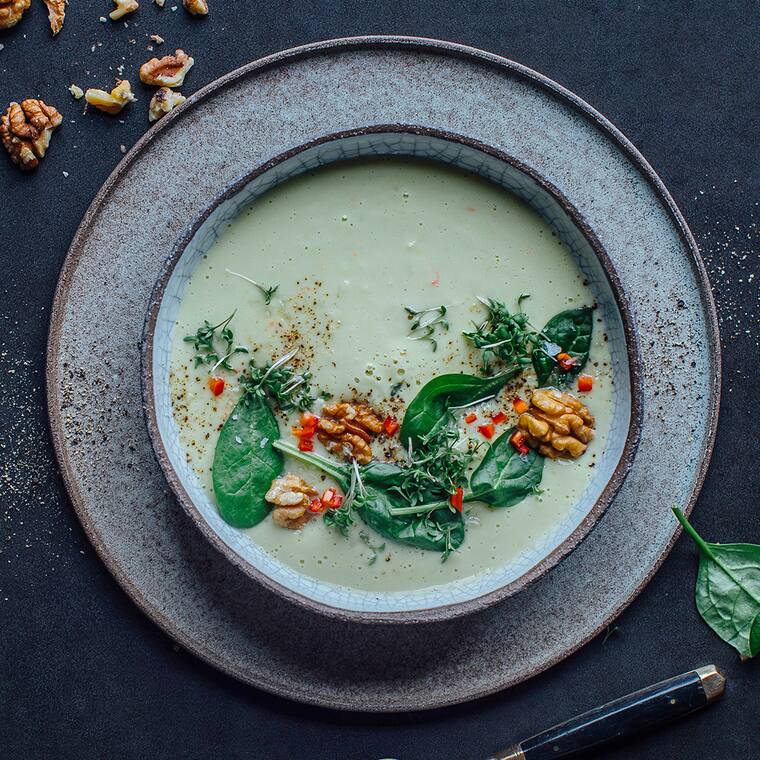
{"x": 83, "y": 673}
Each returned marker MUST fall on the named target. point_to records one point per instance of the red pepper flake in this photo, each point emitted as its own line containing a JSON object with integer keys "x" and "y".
{"x": 216, "y": 385}
{"x": 487, "y": 430}
{"x": 566, "y": 362}
{"x": 331, "y": 499}
{"x": 498, "y": 418}
{"x": 456, "y": 499}
{"x": 305, "y": 444}
{"x": 436, "y": 280}
{"x": 585, "y": 383}
{"x": 390, "y": 425}
{"x": 520, "y": 405}
{"x": 518, "y": 441}
{"x": 309, "y": 422}
{"x": 316, "y": 506}
{"x": 471, "y": 417}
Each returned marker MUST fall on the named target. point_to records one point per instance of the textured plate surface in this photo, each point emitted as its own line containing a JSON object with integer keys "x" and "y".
{"x": 102, "y": 444}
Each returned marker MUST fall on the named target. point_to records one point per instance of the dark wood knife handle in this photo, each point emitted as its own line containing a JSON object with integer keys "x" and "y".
{"x": 625, "y": 717}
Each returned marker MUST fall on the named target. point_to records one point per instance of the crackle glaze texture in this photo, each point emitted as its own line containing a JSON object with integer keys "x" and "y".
{"x": 101, "y": 440}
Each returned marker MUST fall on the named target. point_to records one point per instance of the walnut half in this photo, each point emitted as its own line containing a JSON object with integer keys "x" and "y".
{"x": 347, "y": 430}
{"x": 11, "y": 12}
{"x": 291, "y": 496}
{"x": 557, "y": 424}
{"x": 25, "y": 131}
{"x": 168, "y": 71}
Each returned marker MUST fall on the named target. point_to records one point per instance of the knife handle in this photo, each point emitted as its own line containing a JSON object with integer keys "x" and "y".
{"x": 623, "y": 718}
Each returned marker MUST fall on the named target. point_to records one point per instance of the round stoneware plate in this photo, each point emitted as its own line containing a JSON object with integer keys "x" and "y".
{"x": 190, "y": 159}
{"x": 461, "y": 596}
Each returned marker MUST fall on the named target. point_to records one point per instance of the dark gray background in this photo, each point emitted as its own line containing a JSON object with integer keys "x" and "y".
{"x": 83, "y": 674}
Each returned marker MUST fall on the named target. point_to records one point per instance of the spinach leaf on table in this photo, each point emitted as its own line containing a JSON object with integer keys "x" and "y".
{"x": 430, "y": 405}
{"x": 245, "y": 464}
{"x": 570, "y": 331}
{"x": 728, "y": 590}
{"x": 504, "y": 477}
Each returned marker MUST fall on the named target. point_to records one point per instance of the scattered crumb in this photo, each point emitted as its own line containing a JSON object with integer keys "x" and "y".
{"x": 159, "y": 3}
{"x": 103, "y": 19}
{"x": 157, "y": 38}
{"x": 65, "y": 174}
{"x": 123, "y": 148}
{"x": 77, "y": 92}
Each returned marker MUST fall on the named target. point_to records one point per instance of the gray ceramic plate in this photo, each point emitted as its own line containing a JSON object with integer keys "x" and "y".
{"x": 264, "y": 110}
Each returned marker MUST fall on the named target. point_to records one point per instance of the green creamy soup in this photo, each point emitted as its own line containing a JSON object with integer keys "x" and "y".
{"x": 348, "y": 247}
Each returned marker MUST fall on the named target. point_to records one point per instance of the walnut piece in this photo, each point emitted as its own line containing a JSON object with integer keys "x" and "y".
{"x": 25, "y": 131}
{"x": 557, "y": 424}
{"x": 164, "y": 101}
{"x": 291, "y": 496}
{"x": 346, "y": 430}
{"x": 196, "y": 7}
{"x": 11, "y": 12}
{"x": 123, "y": 7}
{"x": 56, "y": 14}
{"x": 168, "y": 71}
{"x": 76, "y": 91}
{"x": 111, "y": 102}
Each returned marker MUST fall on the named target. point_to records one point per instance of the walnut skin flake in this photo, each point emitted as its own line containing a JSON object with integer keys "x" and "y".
{"x": 111, "y": 102}
{"x": 123, "y": 7}
{"x": 56, "y": 14}
{"x": 168, "y": 71}
{"x": 196, "y": 7}
{"x": 11, "y": 12}
{"x": 25, "y": 131}
{"x": 164, "y": 101}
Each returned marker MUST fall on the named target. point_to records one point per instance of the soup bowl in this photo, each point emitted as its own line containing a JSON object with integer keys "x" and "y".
{"x": 442, "y": 601}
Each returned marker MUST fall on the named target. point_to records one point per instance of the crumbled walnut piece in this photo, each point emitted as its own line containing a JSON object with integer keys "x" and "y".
{"x": 111, "y": 102}
{"x": 11, "y": 12}
{"x": 56, "y": 14}
{"x": 164, "y": 101}
{"x": 157, "y": 38}
{"x": 557, "y": 424}
{"x": 291, "y": 496}
{"x": 196, "y": 7}
{"x": 168, "y": 71}
{"x": 25, "y": 131}
{"x": 347, "y": 429}
{"x": 77, "y": 92}
{"x": 123, "y": 7}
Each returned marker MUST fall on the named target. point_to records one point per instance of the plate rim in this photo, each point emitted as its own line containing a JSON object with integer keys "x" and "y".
{"x": 443, "y": 611}
{"x": 402, "y": 43}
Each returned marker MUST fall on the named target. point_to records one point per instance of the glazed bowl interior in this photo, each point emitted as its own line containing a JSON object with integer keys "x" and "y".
{"x": 465, "y": 594}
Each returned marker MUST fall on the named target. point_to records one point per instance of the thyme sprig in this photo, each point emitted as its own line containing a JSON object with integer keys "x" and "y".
{"x": 265, "y": 291}
{"x": 425, "y": 323}
{"x": 288, "y": 388}
{"x": 204, "y": 343}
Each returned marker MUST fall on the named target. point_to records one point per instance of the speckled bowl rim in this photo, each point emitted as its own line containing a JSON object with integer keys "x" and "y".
{"x": 443, "y": 611}
{"x": 162, "y": 617}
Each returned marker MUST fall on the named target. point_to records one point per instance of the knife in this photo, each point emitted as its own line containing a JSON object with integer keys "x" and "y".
{"x": 623, "y": 718}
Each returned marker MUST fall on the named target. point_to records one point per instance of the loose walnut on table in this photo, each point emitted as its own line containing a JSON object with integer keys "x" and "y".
{"x": 11, "y": 12}
{"x": 196, "y": 7}
{"x": 168, "y": 71}
{"x": 25, "y": 130}
{"x": 347, "y": 429}
{"x": 557, "y": 424}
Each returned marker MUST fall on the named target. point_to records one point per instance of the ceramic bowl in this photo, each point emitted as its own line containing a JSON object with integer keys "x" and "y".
{"x": 464, "y": 595}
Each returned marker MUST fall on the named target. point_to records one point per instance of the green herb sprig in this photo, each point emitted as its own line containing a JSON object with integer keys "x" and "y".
{"x": 286, "y": 387}
{"x": 343, "y": 518}
{"x": 425, "y": 323}
{"x": 204, "y": 343}
{"x": 265, "y": 291}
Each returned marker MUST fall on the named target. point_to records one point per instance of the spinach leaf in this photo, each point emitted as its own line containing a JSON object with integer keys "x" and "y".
{"x": 442, "y": 531}
{"x": 435, "y": 398}
{"x": 245, "y": 464}
{"x": 570, "y": 331}
{"x": 503, "y": 477}
{"x": 728, "y": 590}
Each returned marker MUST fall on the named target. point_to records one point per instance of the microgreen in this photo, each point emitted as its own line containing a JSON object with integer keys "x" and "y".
{"x": 265, "y": 291}
{"x": 425, "y": 323}
{"x": 204, "y": 342}
{"x": 288, "y": 388}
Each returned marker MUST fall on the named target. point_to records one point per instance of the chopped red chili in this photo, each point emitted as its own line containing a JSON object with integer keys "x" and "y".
{"x": 305, "y": 444}
{"x": 216, "y": 385}
{"x": 520, "y": 406}
{"x": 316, "y": 505}
{"x": 456, "y": 499}
{"x": 566, "y": 362}
{"x": 390, "y": 425}
{"x": 498, "y": 418}
{"x": 585, "y": 383}
{"x": 487, "y": 430}
{"x": 471, "y": 417}
{"x": 331, "y": 499}
{"x": 518, "y": 441}
{"x": 309, "y": 422}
